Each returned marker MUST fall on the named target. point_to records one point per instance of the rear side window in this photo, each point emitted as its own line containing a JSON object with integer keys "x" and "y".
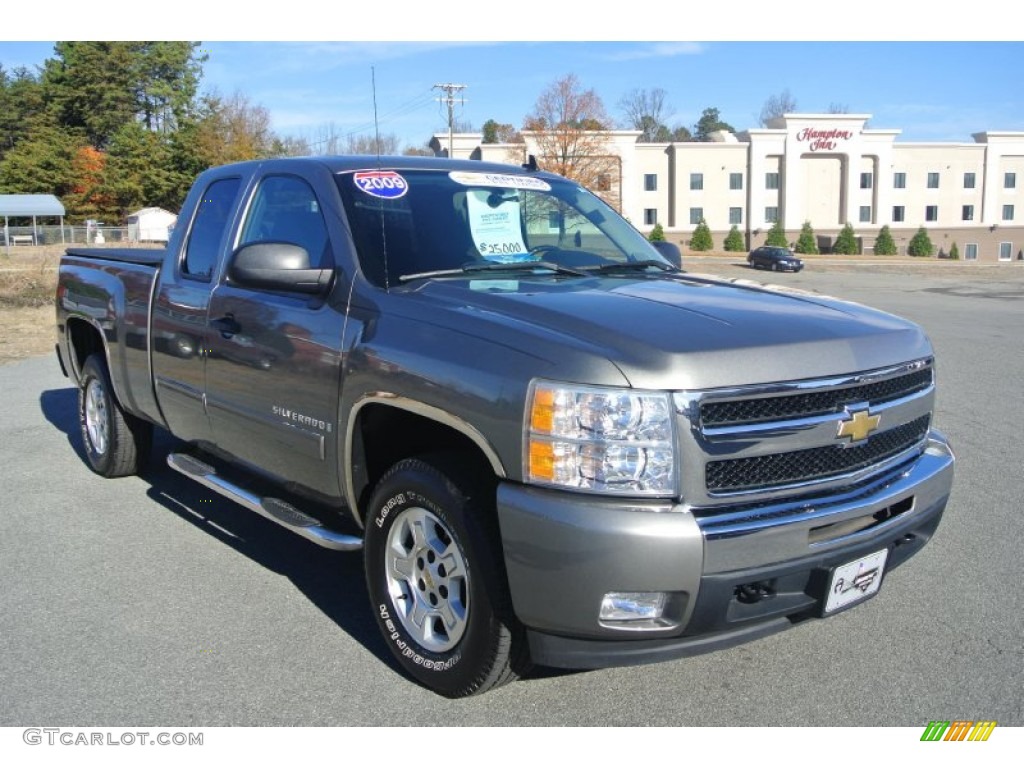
{"x": 208, "y": 227}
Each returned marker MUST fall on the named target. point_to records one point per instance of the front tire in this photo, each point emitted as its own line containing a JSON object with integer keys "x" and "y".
{"x": 116, "y": 443}
{"x": 435, "y": 578}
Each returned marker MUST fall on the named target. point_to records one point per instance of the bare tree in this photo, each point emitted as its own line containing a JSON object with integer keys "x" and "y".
{"x": 647, "y": 111}
{"x": 776, "y": 106}
{"x": 233, "y": 129}
{"x": 387, "y": 144}
{"x": 570, "y": 128}
{"x": 836, "y": 108}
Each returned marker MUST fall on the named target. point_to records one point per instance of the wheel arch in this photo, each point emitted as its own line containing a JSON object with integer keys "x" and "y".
{"x": 384, "y": 428}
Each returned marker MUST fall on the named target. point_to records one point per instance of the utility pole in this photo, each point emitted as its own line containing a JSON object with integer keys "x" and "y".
{"x": 451, "y": 89}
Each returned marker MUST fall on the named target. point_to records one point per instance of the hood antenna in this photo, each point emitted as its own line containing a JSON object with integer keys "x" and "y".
{"x": 376, "y": 141}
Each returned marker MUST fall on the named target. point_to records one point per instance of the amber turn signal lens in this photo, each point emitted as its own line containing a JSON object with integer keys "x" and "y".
{"x": 542, "y": 461}
{"x": 542, "y": 415}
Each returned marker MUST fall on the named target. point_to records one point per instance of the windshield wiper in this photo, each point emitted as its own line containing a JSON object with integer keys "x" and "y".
{"x": 630, "y": 266}
{"x": 493, "y": 266}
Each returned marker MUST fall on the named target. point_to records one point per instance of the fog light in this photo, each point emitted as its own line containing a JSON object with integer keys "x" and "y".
{"x": 633, "y": 606}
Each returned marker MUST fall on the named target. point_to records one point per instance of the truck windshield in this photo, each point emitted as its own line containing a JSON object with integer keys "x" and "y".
{"x": 413, "y": 222}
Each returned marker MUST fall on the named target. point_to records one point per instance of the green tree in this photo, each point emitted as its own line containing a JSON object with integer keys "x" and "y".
{"x": 657, "y": 234}
{"x": 40, "y": 163}
{"x": 954, "y": 252}
{"x": 806, "y": 243}
{"x": 140, "y": 171}
{"x": 920, "y": 244}
{"x": 846, "y": 243}
{"x": 884, "y": 244}
{"x": 777, "y": 235}
{"x": 500, "y": 133}
{"x": 734, "y": 240}
{"x": 701, "y": 240}
{"x": 709, "y": 123}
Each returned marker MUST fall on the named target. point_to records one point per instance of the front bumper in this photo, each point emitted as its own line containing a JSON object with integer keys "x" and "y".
{"x": 564, "y": 552}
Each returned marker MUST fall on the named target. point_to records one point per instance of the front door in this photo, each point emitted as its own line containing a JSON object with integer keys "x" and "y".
{"x": 274, "y": 359}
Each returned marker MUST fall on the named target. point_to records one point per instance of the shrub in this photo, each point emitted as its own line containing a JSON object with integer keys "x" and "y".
{"x": 806, "y": 242}
{"x": 777, "y": 235}
{"x": 734, "y": 240}
{"x": 884, "y": 244}
{"x": 920, "y": 244}
{"x": 846, "y": 243}
{"x": 954, "y": 252}
{"x": 657, "y": 234}
{"x": 702, "y": 238}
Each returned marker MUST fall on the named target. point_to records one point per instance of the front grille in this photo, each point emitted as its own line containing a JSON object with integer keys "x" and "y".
{"x": 781, "y": 469}
{"x": 763, "y": 409}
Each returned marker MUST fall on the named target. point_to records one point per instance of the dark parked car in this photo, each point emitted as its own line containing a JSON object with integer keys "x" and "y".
{"x": 774, "y": 258}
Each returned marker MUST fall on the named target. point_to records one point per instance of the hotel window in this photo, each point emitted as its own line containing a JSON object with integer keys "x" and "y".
{"x": 865, "y": 213}
{"x": 735, "y": 181}
{"x": 897, "y": 213}
{"x": 899, "y": 181}
{"x": 696, "y": 181}
{"x": 735, "y": 215}
{"x": 969, "y": 180}
{"x": 771, "y": 181}
{"x": 970, "y": 251}
{"x": 968, "y": 214}
{"x": 865, "y": 181}
{"x": 1007, "y": 213}
{"x": 696, "y": 214}
{"x": 1005, "y": 251}
{"x": 771, "y": 214}
{"x": 931, "y": 213}
{"x": 1009, "y": 180}
{"x": 650, "y": 182}
{"x": 650, "y": 216}
{"x": 933, "y": 180}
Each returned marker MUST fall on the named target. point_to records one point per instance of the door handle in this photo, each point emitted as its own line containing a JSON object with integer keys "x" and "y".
{"x": 227, "y": 326}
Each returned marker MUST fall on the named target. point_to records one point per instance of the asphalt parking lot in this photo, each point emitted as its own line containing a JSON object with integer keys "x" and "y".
{"x": 143, "y": 601}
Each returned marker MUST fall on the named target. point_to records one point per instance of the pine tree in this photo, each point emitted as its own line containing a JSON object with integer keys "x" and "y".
{"x": 920, "y": 244}
{"x": 777, "y": 236}
{"x": 806, "y": 242}
{"x": 954, "y": 252}
{"x": 701, "y": 240}
{"x": 846, "y": 243}
{"x": 657, "y": 234}
{"x": 884, "y": 244}
{"x": 734, "y": 240}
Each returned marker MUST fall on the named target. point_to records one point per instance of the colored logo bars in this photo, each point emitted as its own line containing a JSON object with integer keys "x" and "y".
{"x": 958, "y": 730}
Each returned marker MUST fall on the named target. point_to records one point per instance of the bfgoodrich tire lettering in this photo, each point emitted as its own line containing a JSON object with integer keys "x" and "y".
{"x": 435, "y": 577}
{"x": 116, "y": 443}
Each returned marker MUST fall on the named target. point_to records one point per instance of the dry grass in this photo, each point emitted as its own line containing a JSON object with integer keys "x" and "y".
{"x": 28, "y": 282}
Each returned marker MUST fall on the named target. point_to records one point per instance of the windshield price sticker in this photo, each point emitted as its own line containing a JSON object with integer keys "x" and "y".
{"x": 511, "y": 181}
{"x": 494, "y": 221}
{"x": 386, "y": 184}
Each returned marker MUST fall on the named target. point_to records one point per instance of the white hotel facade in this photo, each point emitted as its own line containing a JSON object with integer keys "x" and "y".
{"x": 826, "y": 169}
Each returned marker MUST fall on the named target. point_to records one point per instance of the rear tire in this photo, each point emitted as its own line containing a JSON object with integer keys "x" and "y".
{"x": 116, "y": 443}
{"x": 435, "y": 575}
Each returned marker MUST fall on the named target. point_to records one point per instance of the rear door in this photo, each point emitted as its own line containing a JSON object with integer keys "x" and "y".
{"x": 179, "y": 331}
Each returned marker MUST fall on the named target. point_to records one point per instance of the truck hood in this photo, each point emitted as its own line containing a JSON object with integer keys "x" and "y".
{"x": 679, "y": 332}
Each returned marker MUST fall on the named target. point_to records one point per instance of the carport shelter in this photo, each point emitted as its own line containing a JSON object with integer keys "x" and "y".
{"x": 30, "y": 206}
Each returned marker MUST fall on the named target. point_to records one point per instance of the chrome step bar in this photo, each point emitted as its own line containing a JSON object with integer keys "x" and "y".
{"x": 276, "y": 510}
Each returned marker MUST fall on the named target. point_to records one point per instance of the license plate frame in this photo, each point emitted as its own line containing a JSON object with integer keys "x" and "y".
{"x": 854, "y": 582}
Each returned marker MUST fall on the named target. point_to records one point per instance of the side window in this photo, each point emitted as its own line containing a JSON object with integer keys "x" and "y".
{"x": 208, "y": 226}
{"x": 286, "y": 210}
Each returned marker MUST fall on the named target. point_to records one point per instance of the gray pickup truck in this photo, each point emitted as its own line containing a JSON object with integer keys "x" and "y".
{"x": 554, "y": 446}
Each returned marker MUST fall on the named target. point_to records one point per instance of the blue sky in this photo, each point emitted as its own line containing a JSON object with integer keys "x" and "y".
{"x": 942, "y": 90}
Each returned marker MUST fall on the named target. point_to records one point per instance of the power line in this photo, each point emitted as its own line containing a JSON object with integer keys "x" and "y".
{"x": 451, "y": 89}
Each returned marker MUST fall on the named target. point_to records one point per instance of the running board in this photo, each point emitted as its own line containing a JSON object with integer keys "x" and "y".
{"x": 280, "y": 512}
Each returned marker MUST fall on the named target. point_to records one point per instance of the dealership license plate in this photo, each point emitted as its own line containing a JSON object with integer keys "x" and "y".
{"x": 857, "y": 580}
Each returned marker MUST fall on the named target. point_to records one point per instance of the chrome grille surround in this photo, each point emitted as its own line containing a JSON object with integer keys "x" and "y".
{"x": 902, "y": 396}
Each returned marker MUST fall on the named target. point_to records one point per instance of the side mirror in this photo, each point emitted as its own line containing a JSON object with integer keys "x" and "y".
{"x": 670, "y": 252}
{"x": 277, "y": 267}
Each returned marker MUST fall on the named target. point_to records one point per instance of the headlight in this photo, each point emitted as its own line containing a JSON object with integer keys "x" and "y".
{"x": 602, "y": 440}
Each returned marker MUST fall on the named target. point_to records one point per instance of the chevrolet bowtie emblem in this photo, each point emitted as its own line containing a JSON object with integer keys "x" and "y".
{"x": 858, "y": 426}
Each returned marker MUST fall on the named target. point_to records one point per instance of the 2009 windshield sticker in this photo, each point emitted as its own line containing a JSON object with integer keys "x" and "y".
{"x": 386, "y": 184}
{"x": 474, "y": 179}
